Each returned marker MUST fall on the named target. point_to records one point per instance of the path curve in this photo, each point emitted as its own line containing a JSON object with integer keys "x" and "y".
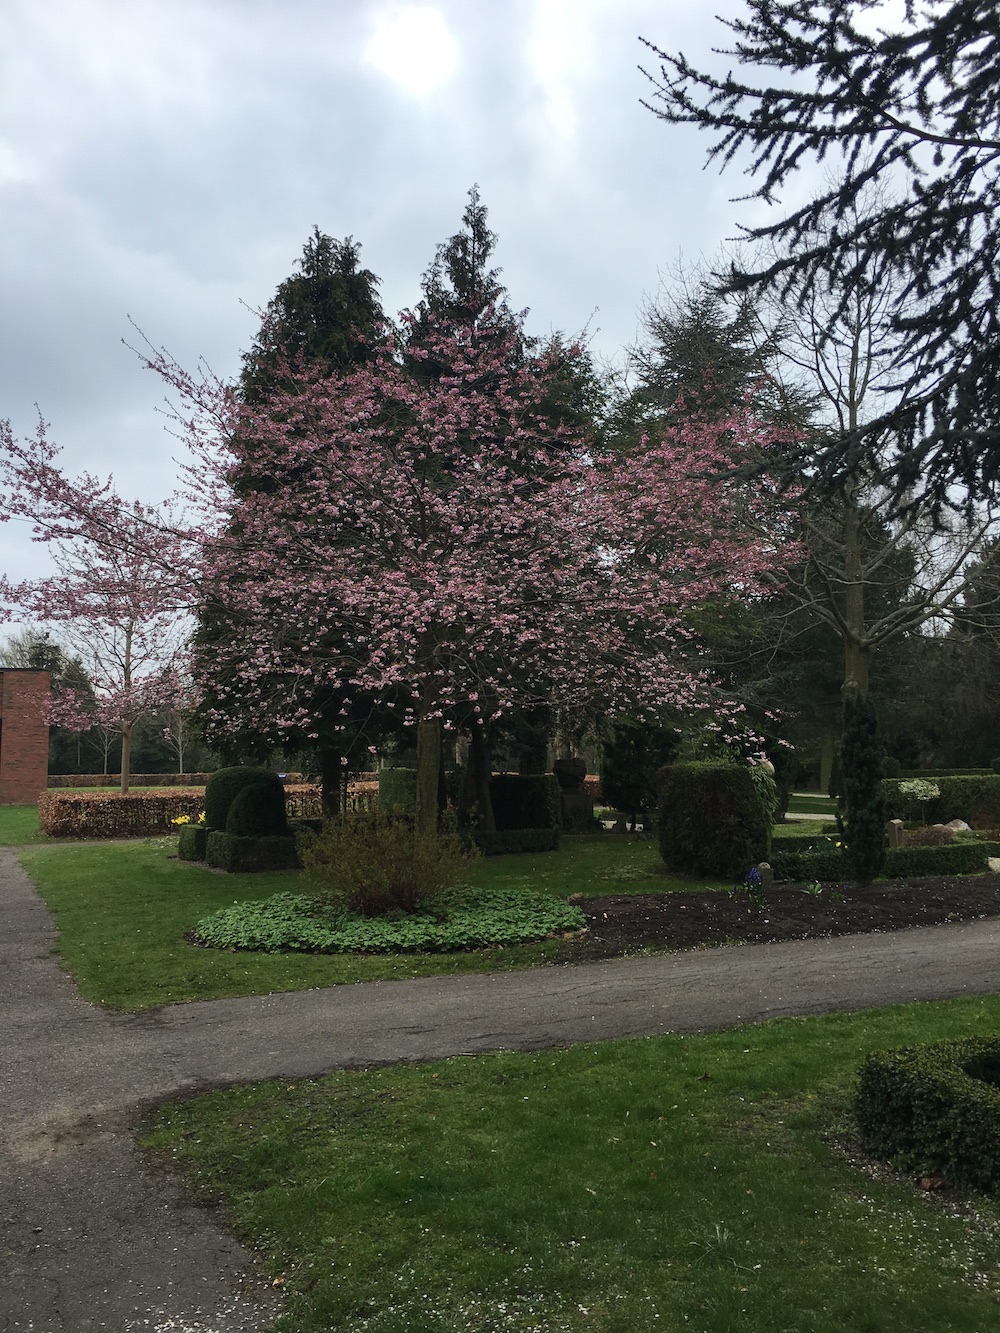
{"x": 90, "y": 1241}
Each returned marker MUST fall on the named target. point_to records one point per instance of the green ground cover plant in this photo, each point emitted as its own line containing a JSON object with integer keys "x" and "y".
{"x": 122, "y": 910}
{"x": 470, "y": 919}
{"x": 709, "y": 1182}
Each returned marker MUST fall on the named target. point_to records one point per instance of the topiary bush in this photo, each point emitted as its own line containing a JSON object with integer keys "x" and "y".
{"x": 397, "y": 791}
{"x": 224, "y": 785}
{"x": 236, "y": 855}
{"x": 192, "y": 842}
{"x": 711, "y": 820}
{"x": 375, "y": 864}
{"x": 258, "y": 811}
{"x": 526, "y": 801}
{"x": 935, "y": 1108}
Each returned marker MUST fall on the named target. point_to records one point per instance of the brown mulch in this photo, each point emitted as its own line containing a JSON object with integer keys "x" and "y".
{"x": 621, "y": 924}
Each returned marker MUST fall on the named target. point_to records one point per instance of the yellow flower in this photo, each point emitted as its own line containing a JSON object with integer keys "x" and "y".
{"x": 184, "y": 819}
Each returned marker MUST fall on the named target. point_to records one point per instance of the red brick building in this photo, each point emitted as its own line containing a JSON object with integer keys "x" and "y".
{"x": 24, "y": 735}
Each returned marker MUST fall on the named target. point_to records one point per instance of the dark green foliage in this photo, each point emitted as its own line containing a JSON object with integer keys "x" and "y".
{"x": 957, "y": 858}
{"x": 225, "y": 851}
{"x": 975, "y": 798}
{"x": 192, "y": 843}
{"x": 935, "y": 1108}
{"x": 258, "y": 811}
{"x": 224, "y": 784}
{"x": 891, "y": 768}
{"x": 861, "y": 759}
{"x": 630, "y": 761}
{"x": 710, "y": 820}
{"x": 525, "y": 801}
{"x": 472, "y": 919}
{"x": 327, "y": 315}
{"x": 913, "y": 112}
{"x": 767, "y": 791}
{"x": 516, "y": 840}
{"x": 397, "y": 791}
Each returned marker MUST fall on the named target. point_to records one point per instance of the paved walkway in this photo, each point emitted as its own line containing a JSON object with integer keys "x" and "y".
{"x": 90, "y": 1241}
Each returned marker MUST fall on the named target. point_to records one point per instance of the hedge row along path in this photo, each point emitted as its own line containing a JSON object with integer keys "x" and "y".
{"x": 91, "y": 1240}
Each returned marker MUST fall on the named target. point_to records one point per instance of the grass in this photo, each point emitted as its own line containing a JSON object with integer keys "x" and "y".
{"x": 19, "y": 825}
{"x": 123, "y": 909}
{"x": 678, "y": 1183}
{"x": 812, "y": 803}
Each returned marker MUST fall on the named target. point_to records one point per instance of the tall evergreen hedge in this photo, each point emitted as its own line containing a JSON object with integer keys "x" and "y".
{"x": 712, "y": 820}
{"x": 526, "y": 801}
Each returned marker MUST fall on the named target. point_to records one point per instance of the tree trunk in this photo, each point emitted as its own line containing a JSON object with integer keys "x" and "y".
{"x": 126, "y": 755}
{"x": 330, "y": 779}
{"x": 428, "y": 772}
{"x": 479, "y": 759}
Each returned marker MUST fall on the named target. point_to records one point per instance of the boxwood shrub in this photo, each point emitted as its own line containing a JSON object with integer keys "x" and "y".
{"x": 974, "y": 798}
{"x": 957, "y": 858}
{"x": 192, "y": 843}
{"x": 226, "y": 851}
{"x": 935, "y": 1108}
{"x": 397, "y": 791}
{"x": 711, "y": 819}
{"x": 222, "y": 788}
{"x": 258, "y": 811}
{"x": 526, "y": 801}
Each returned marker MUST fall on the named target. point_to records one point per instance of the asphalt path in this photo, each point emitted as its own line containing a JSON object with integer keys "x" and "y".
{"x": 91, "y": 1239}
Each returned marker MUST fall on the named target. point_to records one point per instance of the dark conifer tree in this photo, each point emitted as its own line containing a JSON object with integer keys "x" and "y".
{"x": 861, "y": 757}
{"x": 915, "y": 110}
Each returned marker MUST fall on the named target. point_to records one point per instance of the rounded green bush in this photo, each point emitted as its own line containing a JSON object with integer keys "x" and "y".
{"x": 224, "y": 784}
{"x": 258, "y": 811}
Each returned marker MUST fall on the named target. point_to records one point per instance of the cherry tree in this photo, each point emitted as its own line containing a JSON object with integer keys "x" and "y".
{"x": 436, "y": 541}
{"x": 117, "y": 598}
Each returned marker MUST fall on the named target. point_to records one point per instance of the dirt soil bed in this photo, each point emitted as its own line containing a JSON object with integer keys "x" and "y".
{"x": 630, "y": 923}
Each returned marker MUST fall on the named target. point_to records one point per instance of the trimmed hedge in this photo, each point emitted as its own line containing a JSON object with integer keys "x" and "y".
{"x": 225, "y": 851}
{"x": 192, "y": 842}
{"x": 935, "y": 1108}
{"x": 957, "y": 858}
{"x": 526, "y": 801}
{"x": 976, "y": 799}
{"x": 225, "y": 784}
{"x": 258, "y": 811}
{"x": 504, "y": 842}
{"x": 112, "y": 815}
{"x": 711, "y": 819}
{"x": 59, "y": 780}
{"x": 397, "y": 791}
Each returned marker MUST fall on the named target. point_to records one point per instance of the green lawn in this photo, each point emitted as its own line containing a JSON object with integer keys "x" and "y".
{"x": 122, "y": 911}
{"x": 18, "y": 825}
{"x": 812, "y": 803}
{"x": 702, "y": 1183}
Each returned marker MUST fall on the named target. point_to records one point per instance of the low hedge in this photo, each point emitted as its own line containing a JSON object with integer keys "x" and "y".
{"x": 957, "y": 858}
{"x": 59, "y": 780}
{"x": 225, "y": 851}
{"x": 506, "y": 841}
{"x": 192, "y": 843}
{"x": 975, "y": 798}
{"x": 112, "y": 815}
{"x": 935, "y": 1108}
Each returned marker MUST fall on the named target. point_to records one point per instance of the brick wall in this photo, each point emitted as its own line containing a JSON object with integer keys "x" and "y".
{"x": 24, "y": 736}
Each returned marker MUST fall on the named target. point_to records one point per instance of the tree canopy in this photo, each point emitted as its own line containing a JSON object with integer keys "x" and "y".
{"x": 915, "y": 109}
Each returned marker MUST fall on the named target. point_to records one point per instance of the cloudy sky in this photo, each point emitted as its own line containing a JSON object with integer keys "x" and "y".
{"x": 163, "y": 161}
